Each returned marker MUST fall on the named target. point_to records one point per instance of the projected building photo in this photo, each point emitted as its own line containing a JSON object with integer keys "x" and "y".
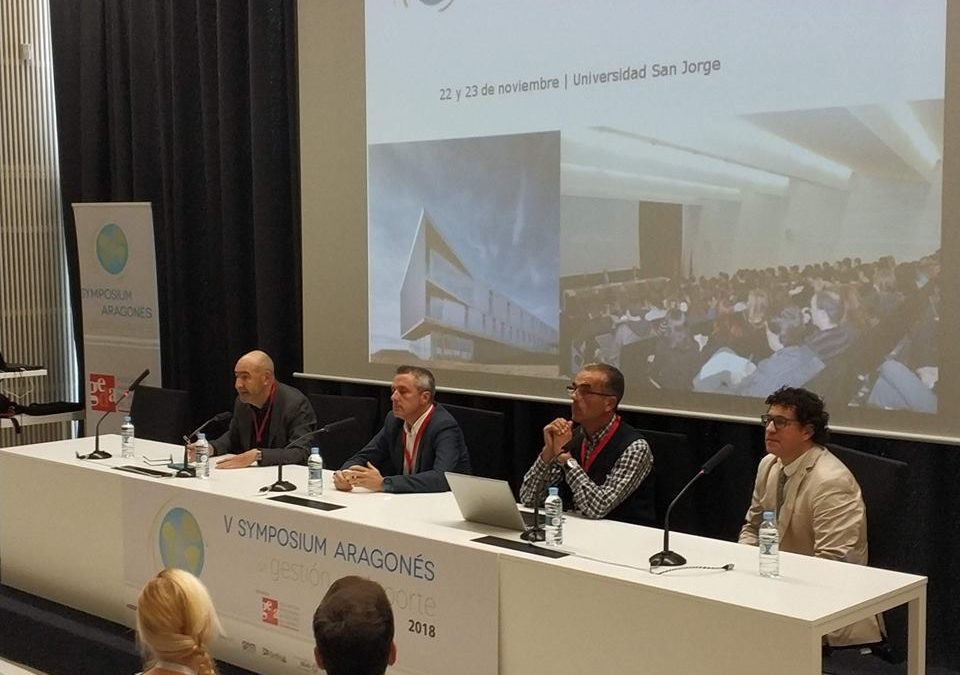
{"x": 447, "y": 314}
{"x": 464, "y": 253}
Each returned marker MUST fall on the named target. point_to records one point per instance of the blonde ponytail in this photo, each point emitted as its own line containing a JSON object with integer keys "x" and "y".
{"x": 176, "y": 620}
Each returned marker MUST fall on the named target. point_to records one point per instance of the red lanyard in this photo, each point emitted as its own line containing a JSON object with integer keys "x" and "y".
{"x": 586, "y": 462}
{"x": 410, "y": 455}
{"x": 261, "y": 426}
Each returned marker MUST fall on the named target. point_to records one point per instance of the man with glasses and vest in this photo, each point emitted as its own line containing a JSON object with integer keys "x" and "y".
{"x": 820, "y": 511}
{"x": 419, "y": 441}
{"x": 603, "y": 465}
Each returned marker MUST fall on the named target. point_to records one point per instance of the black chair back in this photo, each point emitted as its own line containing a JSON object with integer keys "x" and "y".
{"x": 483, "y": 432}
{"x": 883, "y": 484}
{"x": 674, "y": 464}
{"x": 339, "y": 445}
{"x": 161, "y": 414}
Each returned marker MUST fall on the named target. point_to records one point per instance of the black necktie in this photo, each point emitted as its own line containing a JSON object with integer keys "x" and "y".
{"x": 781, "y": 489}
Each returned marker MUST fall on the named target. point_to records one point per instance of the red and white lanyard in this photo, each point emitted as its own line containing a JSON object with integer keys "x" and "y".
{"x": 410, "y": 454}
{"x": 587, "y": 462}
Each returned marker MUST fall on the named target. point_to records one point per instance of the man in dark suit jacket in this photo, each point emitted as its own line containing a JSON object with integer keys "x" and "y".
{"x": 418, "y": 442}
{"x": 267, "y": 415}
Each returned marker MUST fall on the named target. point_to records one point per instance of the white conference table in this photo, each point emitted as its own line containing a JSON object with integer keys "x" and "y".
{"x": 597, "y": 610}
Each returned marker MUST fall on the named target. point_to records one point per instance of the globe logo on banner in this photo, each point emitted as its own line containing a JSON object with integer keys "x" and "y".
{"x": 112, "y": 249}
{"x": 432, "y": 3}
{"x": 181, "y": 542}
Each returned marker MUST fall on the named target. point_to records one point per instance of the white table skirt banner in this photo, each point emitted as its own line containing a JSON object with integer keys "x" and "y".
{"x": 268, "y": 568}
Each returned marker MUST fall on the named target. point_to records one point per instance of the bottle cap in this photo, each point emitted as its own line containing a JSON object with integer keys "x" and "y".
{"x": 769, "y": 515}
{"x": 126, "y": 418}
{"x": 201, "y": 437}
{"x": 553, "y": 491}
{"x": 314, "y": 451}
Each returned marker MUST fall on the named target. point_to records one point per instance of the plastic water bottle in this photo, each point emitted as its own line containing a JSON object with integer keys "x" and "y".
{"x": 315, "y": 473}
{"x": 769, "y": 538}
{"x": 202, "y": 449}
{"x": 126, "y": 438}
{"x": 553, "y": 517}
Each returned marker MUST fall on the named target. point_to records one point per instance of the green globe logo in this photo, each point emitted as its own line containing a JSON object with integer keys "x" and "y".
{"x": 112, "y": 250}
{"x": 181, "y": 542}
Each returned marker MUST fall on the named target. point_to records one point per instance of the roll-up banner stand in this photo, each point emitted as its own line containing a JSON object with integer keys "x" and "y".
{"x": 121, "y": 327}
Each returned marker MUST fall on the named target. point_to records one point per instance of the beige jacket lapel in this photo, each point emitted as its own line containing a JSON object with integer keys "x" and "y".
{"x": 806, "y": 463}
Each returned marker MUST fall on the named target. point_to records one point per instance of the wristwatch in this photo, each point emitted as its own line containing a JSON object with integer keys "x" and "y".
{"x": 571, "y": 462}
{"x": 259, "y": 456}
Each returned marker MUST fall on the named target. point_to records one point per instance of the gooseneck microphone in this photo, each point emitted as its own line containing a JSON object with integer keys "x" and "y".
{"x": 666, "y": 557}
{"x": 187, "y": 471}
{"x": 97, "y": 452}
{"x": 281, "y": 485}
{"x": 536, "y": 532}
{"x": 333, "y": 426}
{"x": 136, "y": 383}
{"x": 717, "y": 459}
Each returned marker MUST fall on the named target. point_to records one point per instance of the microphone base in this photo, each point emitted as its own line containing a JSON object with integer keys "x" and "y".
{"x": 279, "y": 486}
{"x": 534, "y": 534}
{"x": 98, "y": 454}
{"x": 667, "y": 559}
{"x": 186, "y": 472}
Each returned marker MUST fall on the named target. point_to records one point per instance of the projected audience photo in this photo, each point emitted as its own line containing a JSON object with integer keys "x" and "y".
{"x": 464, "y": 254}
{"x": 691, "y": 254}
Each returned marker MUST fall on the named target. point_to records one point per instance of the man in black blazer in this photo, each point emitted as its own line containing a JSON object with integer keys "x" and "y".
{"x": 418, "y": 442}
{"x": 267, "y": 415}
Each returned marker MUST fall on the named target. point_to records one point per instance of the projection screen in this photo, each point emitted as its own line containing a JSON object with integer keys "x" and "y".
{"x": 718, "y": 198}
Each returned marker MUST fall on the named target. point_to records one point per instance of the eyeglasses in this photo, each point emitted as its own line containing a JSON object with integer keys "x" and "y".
{"x": 778, "y": 421}
{"x": 583, "y": 390}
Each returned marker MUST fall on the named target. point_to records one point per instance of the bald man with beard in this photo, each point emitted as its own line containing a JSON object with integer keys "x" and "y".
{"x": 267, "y": 415}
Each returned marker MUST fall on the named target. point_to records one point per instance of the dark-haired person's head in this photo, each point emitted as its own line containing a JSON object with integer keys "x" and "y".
{"x": 613, "y": 378}
{"x": 411, "y": 393}
{"x": 594, "y": 395}
{"x": 826, "y": 309}
{"x": 353, "y": 629}
{"x": 424, "y": 378}
{"x": 674, "y": 331}
{"x": 786, "y": 328}
{"x": 795, "y": 421}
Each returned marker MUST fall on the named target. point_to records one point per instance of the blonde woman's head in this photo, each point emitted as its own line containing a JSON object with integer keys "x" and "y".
{"x": 176, "y": 620}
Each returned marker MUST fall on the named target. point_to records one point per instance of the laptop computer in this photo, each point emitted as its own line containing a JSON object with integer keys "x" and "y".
{"x": 488, "y": 501}
{"x": 15, "y": 367}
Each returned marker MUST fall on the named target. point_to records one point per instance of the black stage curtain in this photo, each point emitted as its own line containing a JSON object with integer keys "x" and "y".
{"x": 191, "y": 105}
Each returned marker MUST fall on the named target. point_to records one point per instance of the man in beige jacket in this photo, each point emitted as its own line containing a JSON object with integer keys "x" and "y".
{"x": 819, "y": 508}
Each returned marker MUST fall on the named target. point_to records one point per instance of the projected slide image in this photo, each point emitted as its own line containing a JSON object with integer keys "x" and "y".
{"x": 464, "y": 253}
{"x": 737, "y": 255}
